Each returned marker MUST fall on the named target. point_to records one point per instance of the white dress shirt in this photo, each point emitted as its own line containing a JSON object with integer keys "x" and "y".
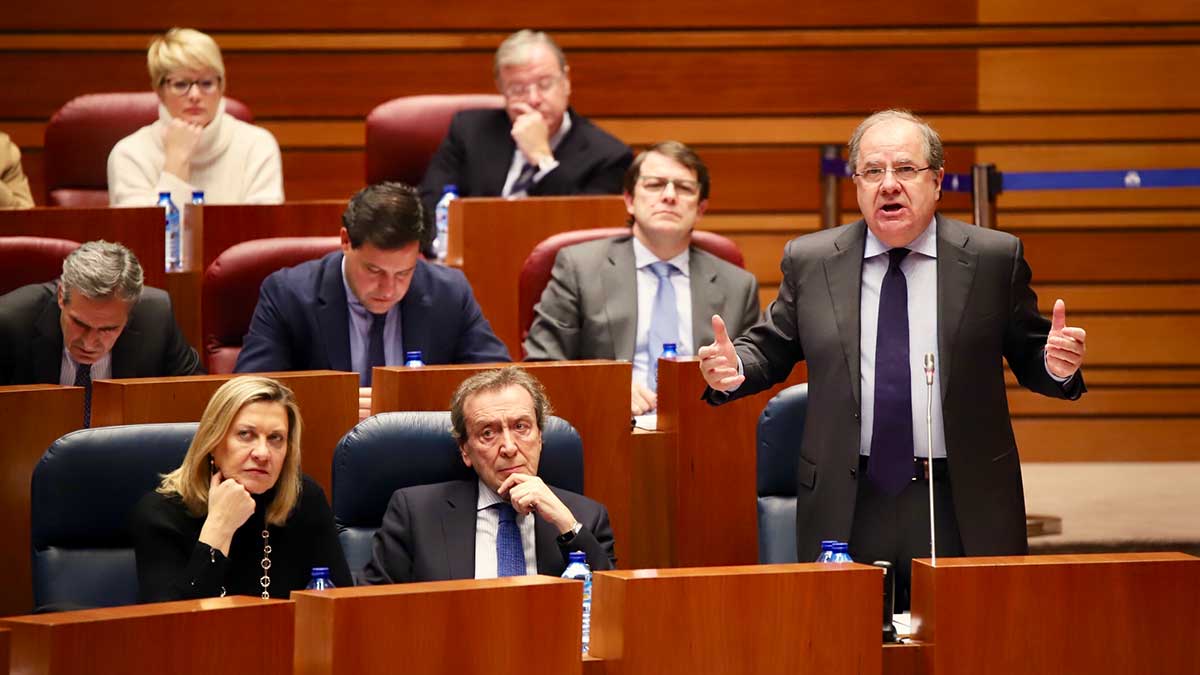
{"x": 101, "y": 369}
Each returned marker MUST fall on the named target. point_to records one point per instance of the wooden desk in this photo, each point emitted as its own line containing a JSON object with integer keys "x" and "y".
{"x": 33, "y": 416}
{"x": 216, "y": 635}
{"x": 217, "y": 227}
{"x": 511, "y": 626}
{"x": 328, "y": 403}
{"x": 1107, "y": 613}
{"x": 592, "y": 395}
{"x": 752, "y": 620}
{"x": 708, "y": 471}
{"x": 490, "y": 238}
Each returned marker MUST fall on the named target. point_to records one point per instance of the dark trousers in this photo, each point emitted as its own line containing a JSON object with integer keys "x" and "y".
{"x": 896, "y": 529}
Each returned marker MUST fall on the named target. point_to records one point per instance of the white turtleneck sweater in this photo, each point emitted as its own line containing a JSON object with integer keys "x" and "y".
{"x": 235, "y": 163}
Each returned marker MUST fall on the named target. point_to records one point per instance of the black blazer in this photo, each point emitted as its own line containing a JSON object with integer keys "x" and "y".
{"x": 428, "y": 534}
{"x": 987, "y": 313}
{"x": 477, "y": 152}
{"x": 31, "y": 340}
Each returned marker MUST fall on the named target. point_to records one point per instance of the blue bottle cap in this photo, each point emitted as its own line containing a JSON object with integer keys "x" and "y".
{"x": 412, "y": 356}
{"x": 577, "y": 557}
{"x": 320, "y": 571}
{"x": 449, "y": 187}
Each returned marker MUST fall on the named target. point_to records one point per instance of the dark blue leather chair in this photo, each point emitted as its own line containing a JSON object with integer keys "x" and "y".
{"x": 780, "y": 429}
{"x": 390, "y": 451}
{"x": 82, "y": 493}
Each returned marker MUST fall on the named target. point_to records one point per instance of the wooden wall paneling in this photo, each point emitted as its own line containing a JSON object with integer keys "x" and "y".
{"x": 1085, "y": 11}
{"x": 1113, "y": 255}
{"x": 1111, "y": 298}
{"x": 1128, "y": 400}
{"x": 323, "y": 174}
{"x": 1116, "y": 438}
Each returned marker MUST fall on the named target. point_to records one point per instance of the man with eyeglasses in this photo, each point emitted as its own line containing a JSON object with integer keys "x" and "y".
{"x": 537, "y": 145}
{"x": 863, "y": 304}
{"x": 623, "y": 298}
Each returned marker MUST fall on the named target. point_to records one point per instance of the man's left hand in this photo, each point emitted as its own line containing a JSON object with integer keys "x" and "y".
{"x": 1066, "y": 345}
{"x": 529, "y": 494}
{"x": 530, "y": 133}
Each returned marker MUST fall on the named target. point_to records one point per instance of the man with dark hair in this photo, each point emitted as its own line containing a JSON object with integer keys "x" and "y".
{"x": 622, "y": 298}
{"x": 97, "y": 322}
{"x": 506, "y": 522}
{"x": 537, "y": 145}
{"x": 370, "y": 302}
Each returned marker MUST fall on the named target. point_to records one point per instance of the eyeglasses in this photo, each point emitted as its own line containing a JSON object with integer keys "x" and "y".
{"x": 181, "y": 87}
{"x": 519, "y": 90}
{"x": 683, "y": 186}
{"x": 902, "y": 173}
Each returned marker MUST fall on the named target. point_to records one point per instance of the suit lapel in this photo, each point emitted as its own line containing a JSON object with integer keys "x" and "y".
{"x": 956, "y": 266}
{"x": 620, "y": 293}
{"x": 333, "y": 314}
{"x": 498, "y": 149}
{"x": 47, "y": 345}
{"x": 416, "y": 309}
{"x": 843, "y": 273}
{"x": 458, "y": 529}
{"x": 708, "y": 297}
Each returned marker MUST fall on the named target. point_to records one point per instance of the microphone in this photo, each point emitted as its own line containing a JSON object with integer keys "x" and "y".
{"x": 929, "y": 454}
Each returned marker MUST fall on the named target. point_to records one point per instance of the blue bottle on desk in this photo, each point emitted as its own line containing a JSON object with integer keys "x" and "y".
{"x": 174, "y": 238}
{"x": 826, "y": 551}
{"x": 198, "y": 197}
{"x": 320, "y": 580}
{"x": 670, "y": 351}
{"x": 841, "y": 553}
{"x": 413, "y": 359}
{"x": 577, "y": 568}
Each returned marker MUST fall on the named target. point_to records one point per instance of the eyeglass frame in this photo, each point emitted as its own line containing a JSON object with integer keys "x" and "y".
{"x": 521, "y": 91}
{"x": 169, "y": 84}
{"x": 687, "y": 187}
{"x": 879, "y": 172}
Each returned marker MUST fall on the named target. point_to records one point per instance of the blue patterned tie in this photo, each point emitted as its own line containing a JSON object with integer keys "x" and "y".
{"x": 510, "y": 555}
{"x": 83, "y": 378}
{"x": 891, "y": 465}
{"x": 375, "y": 354}
{"x": 664, "y": 319}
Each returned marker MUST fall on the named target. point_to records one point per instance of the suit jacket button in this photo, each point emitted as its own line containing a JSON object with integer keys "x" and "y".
{"x": 853, "y": 472}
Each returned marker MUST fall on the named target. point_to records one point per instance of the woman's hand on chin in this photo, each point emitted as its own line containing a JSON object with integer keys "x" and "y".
{"x": 180, "y": 140}
{"x": 229, "y": 507}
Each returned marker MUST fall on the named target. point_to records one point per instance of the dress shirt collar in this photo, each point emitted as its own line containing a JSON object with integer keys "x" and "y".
{"x": 925, "y": 243}
{"x": 643, "y": 258}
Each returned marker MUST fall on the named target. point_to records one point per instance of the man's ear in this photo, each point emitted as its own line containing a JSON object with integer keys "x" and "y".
{"x": 462, "y": 452}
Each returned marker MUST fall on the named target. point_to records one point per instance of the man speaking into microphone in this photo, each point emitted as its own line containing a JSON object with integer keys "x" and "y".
{"x": 863, "y": 304}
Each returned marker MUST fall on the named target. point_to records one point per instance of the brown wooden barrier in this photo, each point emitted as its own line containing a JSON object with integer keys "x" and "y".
{"x": 223, "y": 225}
{"x": 1111, "y": 613}
{"x": 328, "y": 402}
{"x": 490, "y": 239}
{"x": 33, "y": 416}
{"x": 759, "y": 619}
{"x": 592, "y": 395}
{"x": 216, "y": 635}
{"x": 441, "y": 628}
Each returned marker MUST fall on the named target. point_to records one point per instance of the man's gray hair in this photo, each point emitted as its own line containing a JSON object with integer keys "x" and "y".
{"x": 935, "y": 154}
{"x": 514, "y": 51}
{"x": 101, "y": 270}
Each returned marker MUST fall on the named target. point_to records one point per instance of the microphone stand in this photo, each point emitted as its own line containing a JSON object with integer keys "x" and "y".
{"x": 929, "y": 455}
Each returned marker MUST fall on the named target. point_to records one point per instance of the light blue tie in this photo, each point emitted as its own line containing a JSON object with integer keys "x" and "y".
{"x": 510, "y": 555}
{"x": 664, "y": 319}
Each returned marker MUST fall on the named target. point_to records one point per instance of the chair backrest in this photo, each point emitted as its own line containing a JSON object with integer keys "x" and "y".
{"x": 229, "y": 291}
{"x": 780, "y": 428}
{"x": 83, "y": 132}
{"x": 390, "y": 451}
{"x": 82, "y": 493}
{"x": 535, "y": 272}
{"x": 404, "y": 133}
{"x": 31, "y": 260}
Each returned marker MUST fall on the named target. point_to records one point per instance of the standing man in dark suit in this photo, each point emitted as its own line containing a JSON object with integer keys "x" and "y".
{"x": 536, "y": 145}
{"x": 369, "y": 303}
{"x": 603, "y": 299}
{"x": 507, "y": 522}
{"x": 862, "y": 304}
{"x": 96, "y": 322}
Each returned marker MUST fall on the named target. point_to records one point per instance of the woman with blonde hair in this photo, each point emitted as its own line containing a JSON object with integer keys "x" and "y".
{"x": 195, "y": 144}
{"x": 237, "y": 517}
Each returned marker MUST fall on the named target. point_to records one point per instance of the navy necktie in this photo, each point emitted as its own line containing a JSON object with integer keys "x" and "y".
{"x": 375, "y": 354}
{"x": 524, "y": 180}
{"x": 83, "y": 378}
{"x": 891, "y": 465}
{"x": 510, "y": 554}
{"x": 664, "y": 320}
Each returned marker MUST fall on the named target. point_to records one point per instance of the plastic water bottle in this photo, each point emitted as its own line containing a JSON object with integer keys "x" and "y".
{"x": 198, "y": 197}
{"x": 174, "y": 238}
{"x": 826, "y": 551}
{"x": 320, "y": 580}
{"x": 577, "y": 568}
{"x": 413, "y": 359}
{"x": 442, "y": 216}
{"x": 841, "y": 553}
{"x": 670, "y": 351}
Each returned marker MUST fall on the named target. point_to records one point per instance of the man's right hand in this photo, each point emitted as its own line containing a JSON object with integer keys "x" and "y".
{"x": 364, "y": 403}
{"x": 531, "y": 134}
{"x": 229, "y": 507}
{"x": 641, "y": 399}
{"x": 180, "y": 140}
{"x": 718, "y": 361}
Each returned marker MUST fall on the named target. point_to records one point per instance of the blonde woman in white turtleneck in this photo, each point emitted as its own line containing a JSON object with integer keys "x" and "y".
{"x": 194, "y": 145}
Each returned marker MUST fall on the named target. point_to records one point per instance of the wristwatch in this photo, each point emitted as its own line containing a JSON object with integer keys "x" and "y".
{"x": 567, "y": 537}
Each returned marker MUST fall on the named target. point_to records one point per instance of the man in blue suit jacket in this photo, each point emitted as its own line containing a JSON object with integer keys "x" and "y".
{"x": 367, "y": 304}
